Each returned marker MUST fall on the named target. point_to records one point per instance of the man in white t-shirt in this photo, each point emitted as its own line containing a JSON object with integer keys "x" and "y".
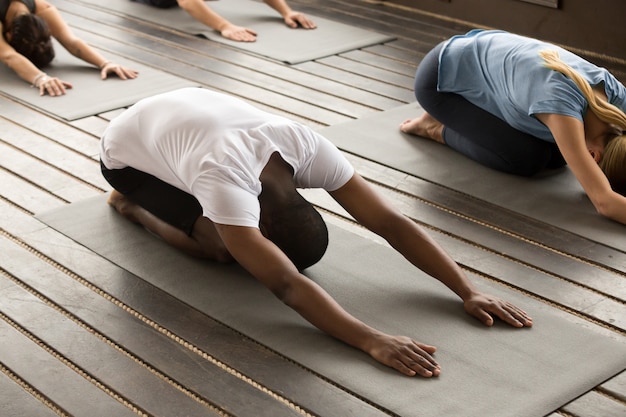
{"x": 218, "y": 178}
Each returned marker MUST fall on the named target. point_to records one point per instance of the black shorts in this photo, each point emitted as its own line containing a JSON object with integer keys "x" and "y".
{"x": 168, "y": 203}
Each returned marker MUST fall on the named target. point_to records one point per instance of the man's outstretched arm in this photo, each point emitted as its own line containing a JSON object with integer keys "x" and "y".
{"x": 370, "y": 209}
{"x": 267, "y": 263}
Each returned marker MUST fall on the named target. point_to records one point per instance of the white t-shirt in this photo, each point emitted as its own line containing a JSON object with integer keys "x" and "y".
{"x": 214, "y": 147}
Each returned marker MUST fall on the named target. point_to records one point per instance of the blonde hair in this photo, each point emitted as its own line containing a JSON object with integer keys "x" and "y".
{"x": 613, "y": 162}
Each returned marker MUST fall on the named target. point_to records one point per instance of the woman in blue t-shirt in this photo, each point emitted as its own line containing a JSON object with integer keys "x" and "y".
{"x": 25, "y": 45}
{"x": 520, "y": 105}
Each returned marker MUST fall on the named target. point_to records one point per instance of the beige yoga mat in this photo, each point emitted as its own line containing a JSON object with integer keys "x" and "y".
{"x": 498, "y": 371}
{"x": 554, "y": 197}
{"x": 90, "y": 95}
{"x": 275, "y": 40}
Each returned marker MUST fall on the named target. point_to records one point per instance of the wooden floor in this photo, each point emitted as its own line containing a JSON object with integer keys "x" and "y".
{"x": 49, "y": 287}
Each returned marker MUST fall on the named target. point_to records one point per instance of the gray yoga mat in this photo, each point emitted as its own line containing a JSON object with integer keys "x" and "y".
{"x": 554, "y": 197}
{"x": 90, "y": 95}
{"x": 275, "y": 40}
{"x": 498, "y": 371}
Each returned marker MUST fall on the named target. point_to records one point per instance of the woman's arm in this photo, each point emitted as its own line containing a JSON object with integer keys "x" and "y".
{"x": 292, "y": 19}
{"x": 76, "y": 46}
{"x": 375, "y": 213}
{"x": 199, "y": 10}
{"x": 569, "y": 134}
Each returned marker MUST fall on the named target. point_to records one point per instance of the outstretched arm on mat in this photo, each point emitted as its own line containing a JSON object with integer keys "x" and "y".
{"x": 374, "y": 212}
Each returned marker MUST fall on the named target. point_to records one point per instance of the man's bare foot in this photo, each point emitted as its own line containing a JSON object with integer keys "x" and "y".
{"x": 425, "y": 126}
{"x": 123, "y": 205}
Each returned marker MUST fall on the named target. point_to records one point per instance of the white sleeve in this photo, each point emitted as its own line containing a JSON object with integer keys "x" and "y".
{"x": 327, "y": 169}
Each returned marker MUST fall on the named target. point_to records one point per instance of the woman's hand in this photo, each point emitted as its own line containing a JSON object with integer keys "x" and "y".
{"x": 51, "y": 85}
{"x": 238, "y": 33}
{"x": 297, "y": 19}
{"x": 404, "y": 355}
{"x": 113, "y": 68}
{"x": 484, "y": 307}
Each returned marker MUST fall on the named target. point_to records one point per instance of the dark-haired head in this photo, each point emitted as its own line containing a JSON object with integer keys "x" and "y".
{"x": 29, "y": 35}
{"x": 297, "y": 229}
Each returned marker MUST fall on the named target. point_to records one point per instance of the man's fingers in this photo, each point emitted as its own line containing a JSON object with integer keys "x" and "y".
{"x": 520, "y": 315}
{"x": 508, "y": 313}
{"x": 422, "y": 366}
{"x": 418, "y": 360}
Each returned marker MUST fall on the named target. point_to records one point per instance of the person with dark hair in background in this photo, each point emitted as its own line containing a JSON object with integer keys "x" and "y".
{"x": 200, "y": 10}
{"x": 218, "y": 178}
{"x": 28, "y": 27}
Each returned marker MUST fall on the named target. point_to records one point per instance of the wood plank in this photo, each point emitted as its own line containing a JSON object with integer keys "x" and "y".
{"x": 75, "y": 396}
{"x": 401, "y": 94}
{"x": 616, "y": 387}
{"x": 19, "y": 399}
{"x": 594, "y": 404}
{"x": 43, "y": 176}
{"x": 53, "y": 129}
{"x": 380, "y": 61}
{"x": 26, "y": 195}
{"x": 77, "y": 165}
{"x": 339, "y": 62}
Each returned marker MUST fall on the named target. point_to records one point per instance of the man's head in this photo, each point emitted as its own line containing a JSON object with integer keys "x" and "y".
{"x": 29, "y": 35}
{"x": 296, "y": 228}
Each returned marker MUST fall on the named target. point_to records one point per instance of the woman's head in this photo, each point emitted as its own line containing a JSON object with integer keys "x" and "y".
{"x": 29, "y": 35}
{"x": 297, "y": 229}
{"x": 613, "y": 161}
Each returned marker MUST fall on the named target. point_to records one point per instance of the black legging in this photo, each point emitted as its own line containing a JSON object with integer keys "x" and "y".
{"x": 477, "y": 133}
{"x": 165, "y": 201}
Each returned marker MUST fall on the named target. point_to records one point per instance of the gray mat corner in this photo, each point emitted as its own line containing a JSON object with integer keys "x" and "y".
{"x": 497, "y": 371}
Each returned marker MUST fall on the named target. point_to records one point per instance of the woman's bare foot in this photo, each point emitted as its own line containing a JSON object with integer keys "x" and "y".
{"x": 425, "y": 126}
{"x": 123, "y": 205}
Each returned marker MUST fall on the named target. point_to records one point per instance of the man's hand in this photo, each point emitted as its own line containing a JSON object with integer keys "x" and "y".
{"x": 484, "y": 307}
{"x": 297, "y": 19}
{"x": 238, "y": 33}
{"x": 405, "y": 355}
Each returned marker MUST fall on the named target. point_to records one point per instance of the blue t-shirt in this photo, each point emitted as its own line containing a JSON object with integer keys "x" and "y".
{"x": 504, "y": 74}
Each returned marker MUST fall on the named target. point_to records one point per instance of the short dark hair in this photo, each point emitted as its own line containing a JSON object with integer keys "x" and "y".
{"x": 30, "y": 36}
{"x": 299, "y": 231}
